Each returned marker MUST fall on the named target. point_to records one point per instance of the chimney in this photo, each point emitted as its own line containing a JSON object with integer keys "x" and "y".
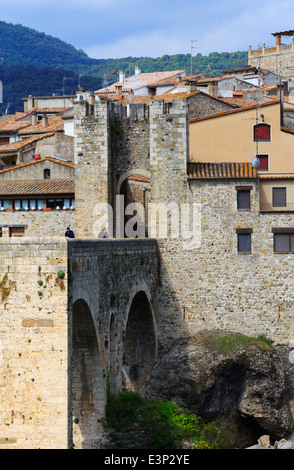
{"x": 118, "y": 89}
{"x": 280, "y": 91}
{"x": 191, "y": 87}
{"x": 213, "y": 89}
{"x": 121, "y": 76}
{"x": 137, "y": 70}
{"x": 45, "y": 120}
{"x": 278, "y": 40}
{"x": 131, "y": 94}
{"x": 91, "y": 98}
{"x": 34, "y": 118}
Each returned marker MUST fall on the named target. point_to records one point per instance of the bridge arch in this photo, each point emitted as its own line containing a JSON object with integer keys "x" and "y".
{"x": 88, "y": 384}
{"x": 140, "y": 341}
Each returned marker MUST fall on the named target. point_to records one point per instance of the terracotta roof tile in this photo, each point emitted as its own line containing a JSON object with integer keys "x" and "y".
{"x": 34, "y": 162}
{"x": 140, "y": 80}
{"x": 224, "y": 170}
{"x": 23, "y": 143}
{"x": 13, "y": 125}
{"x": 20, "y": 188}
{"x": 55, "y": 124}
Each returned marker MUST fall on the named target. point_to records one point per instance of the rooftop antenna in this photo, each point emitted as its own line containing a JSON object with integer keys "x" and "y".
{"x": 80, "y": 75}
{"x": 255, "y": 161}
{"x": 105, "y": 82}
{"x": 64, "y": 78}
{"x": 193, "y": 47}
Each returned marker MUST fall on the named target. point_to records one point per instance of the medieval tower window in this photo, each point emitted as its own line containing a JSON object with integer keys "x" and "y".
{"x": 46, "y": 174}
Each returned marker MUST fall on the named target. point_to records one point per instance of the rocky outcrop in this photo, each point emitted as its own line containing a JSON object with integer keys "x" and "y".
{"x": 228, "y": 376}
{"x": 265, "y": 443}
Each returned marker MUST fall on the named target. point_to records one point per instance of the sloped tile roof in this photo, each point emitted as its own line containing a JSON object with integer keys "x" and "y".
{"x": 21, "y": 188}
{"x": 226, "y": 170}
{"x": 13, "y": 125}
{"x": 55, "y": 124}
{"x": 35, "y": 162}
{"x": 23, "y": 143}
{"x": 140, "y": 80}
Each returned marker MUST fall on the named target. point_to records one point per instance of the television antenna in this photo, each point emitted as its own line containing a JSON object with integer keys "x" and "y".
{"x": 193, "y": 47}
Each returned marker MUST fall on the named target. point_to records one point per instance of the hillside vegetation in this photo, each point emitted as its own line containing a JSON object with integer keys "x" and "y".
{"x": 25, "y": 51}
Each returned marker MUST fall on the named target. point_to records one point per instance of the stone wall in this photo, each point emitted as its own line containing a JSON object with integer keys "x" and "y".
{"x": 214, "y": 286}
{"x": 278, "y": 60}
{"x": 92, "y": 163}
{"x": 71, "y": 329}
{"x": 33, "y": 344}
{"x": 202, "y": 105}
{"x": 107, "y": 275}
{"x": 38, "y": 223}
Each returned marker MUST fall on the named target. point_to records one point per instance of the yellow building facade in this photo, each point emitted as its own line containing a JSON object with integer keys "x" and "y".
{"x": 239, "y": 136}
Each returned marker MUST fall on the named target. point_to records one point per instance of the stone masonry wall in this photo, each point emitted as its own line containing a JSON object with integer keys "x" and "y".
{"x": 280, "y": 63}
{"x": 214, "y": 286}
{"x": 38, "y": 223}
{"x": 168, "y": 151}
{"x": 92, "y": 163}
{"x": 106, "y": 275}
{"x": 202, "y": 105}
{"x": 33, "y": 344}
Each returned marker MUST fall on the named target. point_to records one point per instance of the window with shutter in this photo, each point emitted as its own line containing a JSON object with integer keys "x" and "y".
{"x": 262, "y": 132}
{"x": 244, "y": 242}
{"x": 279, "y": 197}
{"x": 283, "y": 239}
{"x": 244, "y": 239}
{"x": 243, "y": 199}
{"x": 263, "y": 162}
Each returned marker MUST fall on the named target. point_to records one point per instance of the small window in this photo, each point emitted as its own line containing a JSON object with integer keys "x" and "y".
{"x": 17, "y": 204}
{"x": 66, "y": 203}
{"x": 263, "y": 162}
{"x": 284, "y": 242}
{"x": 244, "y": 239}
{"x": 54, "y": 203}
{"x": 279, "y": 197}
{"x": 17, "y": 232}
{"x": 243, "y": 199}
{"x": 244, "y": 243}
{"x": 0, "y": 232}
{"x": 25, "y": 204}
{"x": 46, "y": 174}
{"x": 4, "y": 204}
{"x": 262, "y": 132}
{"x": 33, "y": 204}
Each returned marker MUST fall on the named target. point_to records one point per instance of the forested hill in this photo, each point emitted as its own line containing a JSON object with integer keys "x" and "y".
{"x": 20, "y": 81}
{"x": 24, "y": 52}
{"x": 20, "y": 45}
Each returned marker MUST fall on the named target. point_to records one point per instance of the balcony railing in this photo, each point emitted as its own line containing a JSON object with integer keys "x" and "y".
{"x": 271, "y": 50}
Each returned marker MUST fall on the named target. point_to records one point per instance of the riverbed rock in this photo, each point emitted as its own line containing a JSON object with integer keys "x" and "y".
{"x": 228, "y": 376}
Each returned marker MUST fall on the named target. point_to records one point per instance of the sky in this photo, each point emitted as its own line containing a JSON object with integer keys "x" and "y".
{"x": 115, "y": 28}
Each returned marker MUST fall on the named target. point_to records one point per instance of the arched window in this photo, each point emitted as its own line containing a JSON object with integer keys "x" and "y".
{"x": 46, "y": 174}
{"x": 262, "y": 132}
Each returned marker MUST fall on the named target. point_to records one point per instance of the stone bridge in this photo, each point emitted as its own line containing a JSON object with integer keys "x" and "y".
{"x": 78, "y": 322}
